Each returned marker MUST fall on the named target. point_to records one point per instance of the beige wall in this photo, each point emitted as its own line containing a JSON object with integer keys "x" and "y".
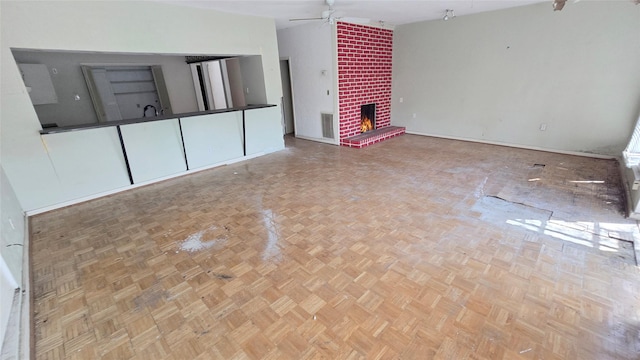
{"x": 498, "y": 76}
{"x": 118, "y": 27}
{"x": 310, "y": 49}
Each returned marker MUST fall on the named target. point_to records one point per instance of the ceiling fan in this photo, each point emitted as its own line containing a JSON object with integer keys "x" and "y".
{"x": 328, "y": 16}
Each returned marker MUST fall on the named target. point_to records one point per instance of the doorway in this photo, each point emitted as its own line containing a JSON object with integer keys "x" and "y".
{"x": 218, "y": 84}
{"x": 287, "y": 98}
{"x": 127, "y": 92}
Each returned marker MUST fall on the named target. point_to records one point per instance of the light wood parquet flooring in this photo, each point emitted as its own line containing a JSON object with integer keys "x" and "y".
{"x": 414, "y": 248}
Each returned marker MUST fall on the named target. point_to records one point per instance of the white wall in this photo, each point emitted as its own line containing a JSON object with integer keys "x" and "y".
{"x": 311, "y": 49}
{"x": 11, "y": 249}
{"x": 117, "y": 27}
{"x": 498, "y": 76}
{"x": 70, "y": 81}
{"x": 7, "y": 295}
{"x": 12, "y": 228}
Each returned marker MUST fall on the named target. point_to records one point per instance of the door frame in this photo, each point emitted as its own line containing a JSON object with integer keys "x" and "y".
{"x": 293, "y": 97}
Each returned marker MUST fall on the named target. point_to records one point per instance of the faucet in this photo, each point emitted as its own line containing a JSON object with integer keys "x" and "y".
{"x": 144, "y": 112}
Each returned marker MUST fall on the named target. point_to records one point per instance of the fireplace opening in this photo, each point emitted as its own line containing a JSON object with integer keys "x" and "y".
{"x": 367, "y": 117}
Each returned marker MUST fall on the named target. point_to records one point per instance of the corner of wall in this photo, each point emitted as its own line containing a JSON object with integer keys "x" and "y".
{"x": 632, "y": 197}
{"x": 14, "y": 273}
{"x": 336, "y": 97}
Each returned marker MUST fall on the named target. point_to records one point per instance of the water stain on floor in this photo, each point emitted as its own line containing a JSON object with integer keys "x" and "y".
{"x": 197, "y": 241}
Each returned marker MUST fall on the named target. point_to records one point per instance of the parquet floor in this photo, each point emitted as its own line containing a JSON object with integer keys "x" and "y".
{"x": 414, "y": 248}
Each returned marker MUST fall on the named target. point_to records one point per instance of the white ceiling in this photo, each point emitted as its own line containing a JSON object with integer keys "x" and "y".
{"x": 392, "y": 12}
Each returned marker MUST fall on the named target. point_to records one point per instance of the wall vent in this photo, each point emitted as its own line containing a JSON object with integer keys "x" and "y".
{"x": 327, "y": 125}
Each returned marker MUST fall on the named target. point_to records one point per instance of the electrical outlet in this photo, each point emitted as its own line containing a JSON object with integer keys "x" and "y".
{"x": 543, "y": 127}
{"x": 414, "y": 115}
{"x": 401, "y": 100}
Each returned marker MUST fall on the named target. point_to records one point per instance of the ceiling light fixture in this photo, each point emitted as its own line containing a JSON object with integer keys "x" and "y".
{"x": 448, "y": 14}
{"x": 558, "y": 4}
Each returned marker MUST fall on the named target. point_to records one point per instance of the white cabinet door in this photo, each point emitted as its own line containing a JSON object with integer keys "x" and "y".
{"x": 87, "y": 162}
{"x": 264, "y": 130}
{"x": 211, "y": 139}
{"x": 154, "y": 149}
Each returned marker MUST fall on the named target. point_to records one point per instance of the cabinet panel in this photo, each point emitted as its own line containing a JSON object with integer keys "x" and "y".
{"x": 264, "y": 130}
{"x": 154, "y": 149}
{"x": 211, "y": 139}
{"x": 87, "y": 162}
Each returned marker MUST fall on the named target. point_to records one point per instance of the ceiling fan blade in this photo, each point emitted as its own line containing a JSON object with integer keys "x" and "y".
{"x": 306, "y": 19}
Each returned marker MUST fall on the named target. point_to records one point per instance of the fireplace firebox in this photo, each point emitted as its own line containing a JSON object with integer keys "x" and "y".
{"x": 367, "y": 117}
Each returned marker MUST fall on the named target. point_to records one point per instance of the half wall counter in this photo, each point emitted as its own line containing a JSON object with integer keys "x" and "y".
{"x": 100, "y": 157}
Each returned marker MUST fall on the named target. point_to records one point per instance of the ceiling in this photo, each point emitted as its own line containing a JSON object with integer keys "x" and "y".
{"x": 392, "y": 12}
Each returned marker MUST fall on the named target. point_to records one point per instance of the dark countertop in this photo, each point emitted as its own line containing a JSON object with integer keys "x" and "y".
{"x": 53, "y": 130}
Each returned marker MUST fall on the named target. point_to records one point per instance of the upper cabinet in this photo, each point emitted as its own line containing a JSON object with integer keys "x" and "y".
{"x": 38, "y": 82}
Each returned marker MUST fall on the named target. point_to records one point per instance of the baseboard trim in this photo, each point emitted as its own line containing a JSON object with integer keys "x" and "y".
{"x": 526, "y": 147}
{"x": 326, "y": 141}
{"x": 135, "y": 186}
{"x": 27, "y": 341}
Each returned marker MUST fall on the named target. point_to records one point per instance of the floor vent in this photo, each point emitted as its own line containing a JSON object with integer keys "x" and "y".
{"x": 327, "y": 125}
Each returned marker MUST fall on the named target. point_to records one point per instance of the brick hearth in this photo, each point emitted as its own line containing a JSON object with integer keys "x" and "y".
{"x": 373, "y": 136}
{"x": 364, "y": 77}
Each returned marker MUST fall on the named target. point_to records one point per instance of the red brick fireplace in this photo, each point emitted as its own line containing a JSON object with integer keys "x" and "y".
{"x": 364, "y": 77}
